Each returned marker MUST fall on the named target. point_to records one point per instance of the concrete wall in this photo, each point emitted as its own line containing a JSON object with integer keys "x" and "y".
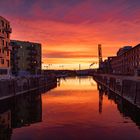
{"x": 127, "y": 89}
{"x": 13, "y": 87}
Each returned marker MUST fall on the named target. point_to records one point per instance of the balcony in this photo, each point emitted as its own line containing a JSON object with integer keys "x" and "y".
{"x": 6, "y": 48}
{"x": 1, "y": 56}
{"x": 8, "y": 30}
{"x": 1, "y": 35}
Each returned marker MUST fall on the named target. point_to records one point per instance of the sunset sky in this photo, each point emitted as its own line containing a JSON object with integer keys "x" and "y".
{"x": 70, "y": 30}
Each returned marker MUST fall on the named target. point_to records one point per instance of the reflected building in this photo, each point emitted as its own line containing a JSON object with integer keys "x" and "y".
{"x": 23, "y": 110}
{"x": 5, "y": 125}
{"x": 28, "y": 110}
{"x": 124, "y": 107}
{"x": 101, "y": 93}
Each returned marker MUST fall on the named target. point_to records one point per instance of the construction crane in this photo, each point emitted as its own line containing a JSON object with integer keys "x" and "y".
{"x": 91, "y": 65}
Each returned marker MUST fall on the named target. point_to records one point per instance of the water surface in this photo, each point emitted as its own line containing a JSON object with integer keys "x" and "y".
{"x": 75, "y": 110}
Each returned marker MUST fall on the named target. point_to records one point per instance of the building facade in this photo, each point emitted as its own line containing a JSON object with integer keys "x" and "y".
{"x": 106, "y": 65}
{"x": 128, "y": 63}
{"x": 25, "y": 57}
{"x": 123, "y": 50}
{"x": 5, "y": 31}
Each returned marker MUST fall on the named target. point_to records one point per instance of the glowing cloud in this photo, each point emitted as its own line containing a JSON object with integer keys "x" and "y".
{"x": 72, "y": 29}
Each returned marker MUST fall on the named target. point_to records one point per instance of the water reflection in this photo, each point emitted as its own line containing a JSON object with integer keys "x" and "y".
{"x": 125, "y": 108}
{"x": 18, "y": 112}
{"x": 78, "y": 109}
{"x": 5, "y": 125}
{"x": 100, "y": 98}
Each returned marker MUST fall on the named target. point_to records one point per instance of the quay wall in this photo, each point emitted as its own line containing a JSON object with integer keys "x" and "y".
{"x": 15, "y": 86}
{"x": 127, "y": 89}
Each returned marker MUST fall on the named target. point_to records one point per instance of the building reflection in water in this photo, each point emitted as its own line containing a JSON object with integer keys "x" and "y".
{"x": 101, "y": 92}
{"x": 23, "y": 110}
{"x": 125, "y": 108}
{"x": 5, "y": 125}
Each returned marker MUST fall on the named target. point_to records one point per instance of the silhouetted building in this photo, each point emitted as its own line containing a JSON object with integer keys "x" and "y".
{"x": 25, "y": 57}
{"x": 5, "y": 31}
{"x": 123, "y": 50}
{"x": 127, "y": 62}
{"x": 106, "y": 65}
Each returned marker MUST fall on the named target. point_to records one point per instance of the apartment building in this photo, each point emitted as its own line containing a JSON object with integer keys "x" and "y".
{"x": 5, "y": 31}
{"x": 25, "y": 57}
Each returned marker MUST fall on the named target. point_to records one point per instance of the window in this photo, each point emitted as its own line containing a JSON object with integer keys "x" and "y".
{"x": 7, "y": 35}
{"x": 2, "y": 61}
{"x": 2, "y": 23}
{"x": 7, "y": 63}
{"x": 2, "y": 50}
{"x": 3, "y": 42}
{"x": 7, "y": 52}
{"x": 3, "y": 31}
{"x": 7, "y": 44}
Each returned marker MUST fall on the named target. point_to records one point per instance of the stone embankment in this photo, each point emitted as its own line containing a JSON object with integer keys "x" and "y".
{"x": 14, "y": 86}
{"x": 129, "y": 89}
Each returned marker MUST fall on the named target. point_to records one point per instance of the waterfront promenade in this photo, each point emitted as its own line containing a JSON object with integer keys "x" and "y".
{"x": 121, "y": 77}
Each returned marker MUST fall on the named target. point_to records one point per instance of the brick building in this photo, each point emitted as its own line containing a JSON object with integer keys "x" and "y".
{"x": 5, "y": 31}
{"x": 127, "y": 63}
